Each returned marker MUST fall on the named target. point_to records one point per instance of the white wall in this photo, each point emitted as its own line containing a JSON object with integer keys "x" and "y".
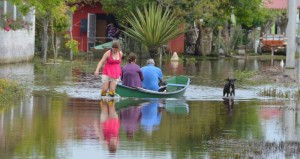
{"x": 17, "y": 46}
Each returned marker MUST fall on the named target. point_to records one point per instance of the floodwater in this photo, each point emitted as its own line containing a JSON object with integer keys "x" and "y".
{"x": 63, "y": 118}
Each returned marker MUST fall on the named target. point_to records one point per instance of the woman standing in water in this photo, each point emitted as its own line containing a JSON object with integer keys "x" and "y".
{"x": 111, "y": 71}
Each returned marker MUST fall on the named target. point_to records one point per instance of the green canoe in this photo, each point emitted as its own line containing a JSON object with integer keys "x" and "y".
{"x": 176, "y": 87}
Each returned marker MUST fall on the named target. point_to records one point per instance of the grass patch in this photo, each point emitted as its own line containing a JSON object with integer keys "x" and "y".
{"x": 297, "y": 95}
{"x": 244, "y": 76}
{"x": 265, "y": 56}
{"x": 10, "y": 91}
{"x": 274, "y": 92}
{"x": 55, "y": 74}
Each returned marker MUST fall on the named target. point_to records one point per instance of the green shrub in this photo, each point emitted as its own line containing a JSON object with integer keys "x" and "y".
{"x": 244, "y": 74}
{"x": 9, "y": 92}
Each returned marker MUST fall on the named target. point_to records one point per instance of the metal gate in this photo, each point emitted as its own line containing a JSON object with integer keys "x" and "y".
{"x": 91, "y": 39}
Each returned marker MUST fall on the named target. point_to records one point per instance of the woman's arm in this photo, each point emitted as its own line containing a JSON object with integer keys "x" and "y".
{"x": 101, "y": 62}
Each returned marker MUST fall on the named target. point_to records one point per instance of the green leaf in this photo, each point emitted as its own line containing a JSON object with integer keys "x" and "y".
{"x": 153, "y": 26}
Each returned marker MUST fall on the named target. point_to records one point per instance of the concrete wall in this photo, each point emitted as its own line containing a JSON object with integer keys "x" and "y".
{"x": 18, "y": 45}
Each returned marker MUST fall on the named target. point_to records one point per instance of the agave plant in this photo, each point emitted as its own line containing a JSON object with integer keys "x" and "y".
{"x": 153, "y": 27}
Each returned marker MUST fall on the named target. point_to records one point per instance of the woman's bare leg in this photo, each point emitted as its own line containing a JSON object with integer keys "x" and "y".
{"x": 104, "y": 88}
{"x": 112, "y": 88}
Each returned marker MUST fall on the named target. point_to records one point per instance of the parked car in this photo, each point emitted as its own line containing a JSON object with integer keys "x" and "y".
{"x": 272, "y": 43}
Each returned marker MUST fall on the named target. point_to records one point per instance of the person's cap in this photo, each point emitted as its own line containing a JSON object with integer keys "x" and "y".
{"x": 150, "y": 61}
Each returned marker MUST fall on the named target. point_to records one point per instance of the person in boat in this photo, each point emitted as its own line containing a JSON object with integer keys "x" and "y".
{"x": 152, "y": 76}
{"x": 111, "y": 71}
{"x": 131, "y": 73}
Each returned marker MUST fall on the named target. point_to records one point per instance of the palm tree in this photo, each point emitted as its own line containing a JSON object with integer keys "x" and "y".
{"x": 153, "y": 27}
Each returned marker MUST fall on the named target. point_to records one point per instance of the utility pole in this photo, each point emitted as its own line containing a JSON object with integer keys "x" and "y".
{"x": 291, "y": 34}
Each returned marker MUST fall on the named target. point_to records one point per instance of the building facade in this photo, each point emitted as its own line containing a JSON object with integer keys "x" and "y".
{"x": 17, "y": 34}
{"x": 89, "y": 23}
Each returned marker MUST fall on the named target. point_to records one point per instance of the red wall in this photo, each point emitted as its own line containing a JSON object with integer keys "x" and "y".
{"x": 82, "y": 13}
{"x": 177, "y": 45}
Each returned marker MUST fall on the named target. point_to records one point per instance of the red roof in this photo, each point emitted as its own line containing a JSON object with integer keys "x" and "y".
{"x": 277, "y": 4}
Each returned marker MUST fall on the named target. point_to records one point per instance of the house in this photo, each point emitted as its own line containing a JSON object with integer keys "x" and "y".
{"x": 280, "y": 26}
{"x": 89, "y": 23}
{"x": 277, "y": 4}
{"x": 16, "y": 41}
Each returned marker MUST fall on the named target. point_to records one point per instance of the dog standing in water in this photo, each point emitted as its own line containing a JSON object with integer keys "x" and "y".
{"x": 229, "y": 87}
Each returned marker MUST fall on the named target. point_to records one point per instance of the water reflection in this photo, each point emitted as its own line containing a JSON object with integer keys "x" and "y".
{"x": 151, "y": 116}
{"x": 130, "y": 120}
{"x": 174, "y": 67}
{"x": 176, "y": 106}
{"x": 228, "y": 103}
{"x": 76, "y": 126}
{"x": 110, "y": 124}
{"x": 147, "y": 113}
{"x": 66, "y": 121}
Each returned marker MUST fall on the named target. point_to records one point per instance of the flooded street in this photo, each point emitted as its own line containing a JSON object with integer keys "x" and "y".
{"x": 63, "y": 117}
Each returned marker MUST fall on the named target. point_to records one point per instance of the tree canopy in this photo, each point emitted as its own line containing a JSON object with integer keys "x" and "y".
{"x": 121, "y": 8}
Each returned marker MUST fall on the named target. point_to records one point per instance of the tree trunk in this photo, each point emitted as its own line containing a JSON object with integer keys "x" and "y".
{"x": 281, "y": 23}
{"x": 53, "y": 39}
{"x": 198, "y": 46}
{"x": 219, "y": 40}
{"x": 266, "y": 27}
{"x": 227, "y": 39}
{"x": 153, "y": 53}
{"x": 57, "y": 46}
{"x": 45, "y": 23}
{"x": 191, "y": 38}
{"x": 71, "y": 52}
